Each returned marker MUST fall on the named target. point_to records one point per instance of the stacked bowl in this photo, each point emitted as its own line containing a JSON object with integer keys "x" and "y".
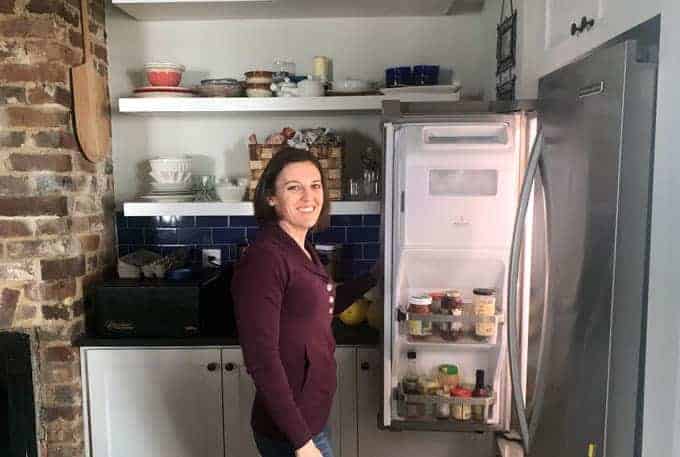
{"x": 171, "y": 179}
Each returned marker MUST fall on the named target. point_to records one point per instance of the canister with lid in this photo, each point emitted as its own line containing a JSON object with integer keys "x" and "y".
{"x": 419, "y": 329}
{"x": 461, "y": 410}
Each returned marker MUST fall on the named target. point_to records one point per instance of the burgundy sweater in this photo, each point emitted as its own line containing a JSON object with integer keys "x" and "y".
{"x": 284, "y": 305}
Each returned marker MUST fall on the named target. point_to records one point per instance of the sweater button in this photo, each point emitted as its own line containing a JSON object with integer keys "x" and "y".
{"x": 329, "y": 287}
{"x": 330, "y": 310}
{"x": 331, "y": 299}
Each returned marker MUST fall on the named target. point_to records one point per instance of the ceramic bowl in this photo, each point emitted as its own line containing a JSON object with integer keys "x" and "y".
{"x": 259, "y": 77}
{"x": 351, "y": 85}
{"x": 171, "y": 177}
{"x": 230, "y": 192}
{"x": 170, "y": 164}
{"x": 258, "y": 90}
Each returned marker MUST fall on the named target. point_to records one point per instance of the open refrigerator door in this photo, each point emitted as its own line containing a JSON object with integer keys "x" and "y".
{"x": 451, "y": 189}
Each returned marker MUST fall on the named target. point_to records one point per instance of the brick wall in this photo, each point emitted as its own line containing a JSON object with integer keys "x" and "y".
{"x": 56, "y": 208}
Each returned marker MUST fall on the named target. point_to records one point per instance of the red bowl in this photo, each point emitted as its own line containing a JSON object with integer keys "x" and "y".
{"x": 164, "y": 76}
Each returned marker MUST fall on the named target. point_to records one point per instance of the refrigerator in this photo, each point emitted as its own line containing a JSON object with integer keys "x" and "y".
{"x": 515, "y": 242}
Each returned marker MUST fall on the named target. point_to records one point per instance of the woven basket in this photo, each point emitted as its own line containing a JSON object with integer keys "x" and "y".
{"x": 330, "y": 158}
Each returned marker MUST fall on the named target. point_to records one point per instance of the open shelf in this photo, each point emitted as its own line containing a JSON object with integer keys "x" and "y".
{"x": 366, "y": 103}
{"x": 232, "y": 208}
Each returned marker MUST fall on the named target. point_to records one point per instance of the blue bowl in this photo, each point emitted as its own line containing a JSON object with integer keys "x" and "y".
{"x": 179, "y": 274}
{"x": 426, "y": 75}
{"x": 398, "y": 76}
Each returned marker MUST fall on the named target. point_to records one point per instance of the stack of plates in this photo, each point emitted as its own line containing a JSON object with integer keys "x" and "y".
{"x": 169, "y": 192}
{"x": 163, "y": 91}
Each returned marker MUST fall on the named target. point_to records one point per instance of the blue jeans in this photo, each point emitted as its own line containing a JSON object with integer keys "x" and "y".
{"x": 273, "y": 448}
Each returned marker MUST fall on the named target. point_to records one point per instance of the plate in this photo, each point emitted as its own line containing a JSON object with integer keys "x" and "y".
{"x": 151, "y": 94}
{"x": 168, "y": 198}
{"x": 440, "y": 89}
{"x": 352, "y": 92}
{"x": 162, "y": 88}
{"x": 163, "y": 187}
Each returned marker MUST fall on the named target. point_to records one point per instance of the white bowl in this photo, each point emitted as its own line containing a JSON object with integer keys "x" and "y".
{"x": 170, "y": 164}
{"x": 171, "y": 177}
{"x": 230, "y": 192}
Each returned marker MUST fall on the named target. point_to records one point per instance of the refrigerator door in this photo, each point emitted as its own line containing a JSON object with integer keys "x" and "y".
{"x": 450, "y": 195}
{"x": 595, "y": 169}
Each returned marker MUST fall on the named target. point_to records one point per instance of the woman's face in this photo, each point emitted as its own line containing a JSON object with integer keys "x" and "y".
{"x": 298, "y": 195}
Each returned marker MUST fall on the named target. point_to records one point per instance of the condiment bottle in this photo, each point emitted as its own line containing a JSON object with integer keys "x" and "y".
{"x": 484, "y": 308}
{"x": 411, "y": 375}
{"x": 418, "y": 329}
{"x": 481, "y": 391}
{"x": 461, "y": 409}
{"x": 443, "y": 406}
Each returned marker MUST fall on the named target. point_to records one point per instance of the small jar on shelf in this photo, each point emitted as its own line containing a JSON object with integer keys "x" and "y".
{"x": 461, "y": 410}
{"x": 452, "y": 305}
{"x": 419, "y": 329}
{"x": 484, "y": 309}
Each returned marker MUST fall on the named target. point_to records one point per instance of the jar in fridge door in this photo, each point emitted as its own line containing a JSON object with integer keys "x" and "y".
{"x": 419, "y": 329}
{"x": 461, "y": 410}
{"x": 484, "y": 311}
{"x": 443, "y": 410}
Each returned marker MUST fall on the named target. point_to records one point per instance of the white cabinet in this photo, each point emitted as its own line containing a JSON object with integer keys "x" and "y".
{"x": 186, "y": 402}
{"x": 373, "y": 442}
{"x": 153, "y": 403}
{"x": 545, "y": 42}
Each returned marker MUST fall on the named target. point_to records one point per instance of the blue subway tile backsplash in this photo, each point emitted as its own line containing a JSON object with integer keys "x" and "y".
{"x": 358, "y": 235}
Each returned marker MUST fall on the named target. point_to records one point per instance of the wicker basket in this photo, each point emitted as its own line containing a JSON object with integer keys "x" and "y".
{"x": 330, "y": 158}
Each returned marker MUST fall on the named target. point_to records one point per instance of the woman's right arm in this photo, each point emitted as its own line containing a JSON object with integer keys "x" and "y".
{"x": 257, "y": 287}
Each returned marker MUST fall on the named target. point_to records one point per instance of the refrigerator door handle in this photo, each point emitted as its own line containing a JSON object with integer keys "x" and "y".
{"x": 513, "y": 275}
{"x": 534, "y": 409}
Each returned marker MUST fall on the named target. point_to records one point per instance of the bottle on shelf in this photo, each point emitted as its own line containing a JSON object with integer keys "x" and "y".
{"x": 484, "y": 309}
{"x": 414, "y": 409}
{"x": 481, "y": 391}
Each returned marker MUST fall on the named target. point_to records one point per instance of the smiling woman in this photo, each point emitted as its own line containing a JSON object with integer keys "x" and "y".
{"x": 284, "y": 301}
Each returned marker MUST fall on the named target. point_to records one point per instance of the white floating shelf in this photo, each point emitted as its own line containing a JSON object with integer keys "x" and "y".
{"x": 368, "y": 103}
{"x": 231, "y": 209}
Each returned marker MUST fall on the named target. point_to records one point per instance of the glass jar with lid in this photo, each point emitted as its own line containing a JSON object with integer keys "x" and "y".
{"x": 452, "y": 305}
{"x": 484, "y": 309}
{"x": 461, "y": 410}
{"x": 419, "y": 329}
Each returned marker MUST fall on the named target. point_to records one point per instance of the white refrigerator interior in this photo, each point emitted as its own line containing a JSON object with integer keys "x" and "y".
{"x": 451, "y": 191}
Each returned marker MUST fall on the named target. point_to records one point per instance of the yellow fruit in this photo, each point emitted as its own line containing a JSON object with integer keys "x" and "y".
{"x": 356, "y": 313}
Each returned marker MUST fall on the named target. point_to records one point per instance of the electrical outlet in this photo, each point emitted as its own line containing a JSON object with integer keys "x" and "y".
{"x": 211, "y": 257}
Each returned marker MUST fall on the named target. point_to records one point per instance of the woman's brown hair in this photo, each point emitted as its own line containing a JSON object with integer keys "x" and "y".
{"x": 266, "y": 186}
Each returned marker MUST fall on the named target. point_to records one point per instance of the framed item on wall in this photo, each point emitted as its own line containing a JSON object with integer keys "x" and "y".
{"x": 506, "y": 42}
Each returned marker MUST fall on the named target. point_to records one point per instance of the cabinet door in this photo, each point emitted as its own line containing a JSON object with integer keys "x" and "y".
{"x": 343, "y": 419}
{"x": 560, "y": 15}
{"x": 154, "y": 402}
{"x": 238, "y": 395}
{"x": 374, "y": 442}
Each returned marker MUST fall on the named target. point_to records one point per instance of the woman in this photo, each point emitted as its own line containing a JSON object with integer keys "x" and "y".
{"x": 284, "y": 302}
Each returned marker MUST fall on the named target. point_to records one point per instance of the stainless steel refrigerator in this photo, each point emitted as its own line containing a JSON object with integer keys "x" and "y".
{"x": 547, "y": 205}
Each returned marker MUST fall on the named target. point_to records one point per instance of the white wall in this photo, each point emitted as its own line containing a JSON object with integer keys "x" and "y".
{"x": 360, "y": 48}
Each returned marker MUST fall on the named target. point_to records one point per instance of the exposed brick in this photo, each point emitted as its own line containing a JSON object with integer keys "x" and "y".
{"x": 26, "y": 312}
{"x": 33, "y": 206}
{"x": 80, "y": 224}
{"x": 46, "y": 162}
{"x": 78, "y": 308}
{"x": 55, "y": 312}
{"x": 26, "y": 116}
{"x": 13, "y": 185}
{"x": 89, "y": 242}
{"x": 83, "y": 164}
{"x": 45, "y": 71}
{"x": 96, "y": 223}
{"x": 86, "y": 205}
{"x": 53, "y": 51}
{"x": 92, "y": 263}
{"x": 47, "y": 184}
{"x": 7, "y": 6}
{"x": 39, "y": 248}
{"x": 68, "y": 413}
{"x": 60, "y": 354}
{"x": 38, "y": 27}
{"x": 51, "y": 290}
{"x": 97, "y": 12}
{"x": 10, "y": 49}
{"x": 66, "y": 394}
{"x": 12, "y": 139}
{"x": 56, "y": 139}
{"x": 75, "y": 38}
{"x": 100, "y": 51}
{"x": 17, "y": 271}
{"x": 50, "y": 94}
{"x": 85, "y": 183}
{"x": 53, "y": 226}
{"x": 66, "y": 450}
{"x": 8, "y": 302}
{"x": 12, "y": 95}
{"x": 62, "y": 268}
{"x": 89, "y": 281}
{"x": 13, "y": 229}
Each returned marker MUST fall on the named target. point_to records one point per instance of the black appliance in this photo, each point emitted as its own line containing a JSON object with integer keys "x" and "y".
{"x": 200, "y": 306}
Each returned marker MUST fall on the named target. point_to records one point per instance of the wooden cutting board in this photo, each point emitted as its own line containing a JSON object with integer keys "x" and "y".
{"x": 90, "y": 104}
